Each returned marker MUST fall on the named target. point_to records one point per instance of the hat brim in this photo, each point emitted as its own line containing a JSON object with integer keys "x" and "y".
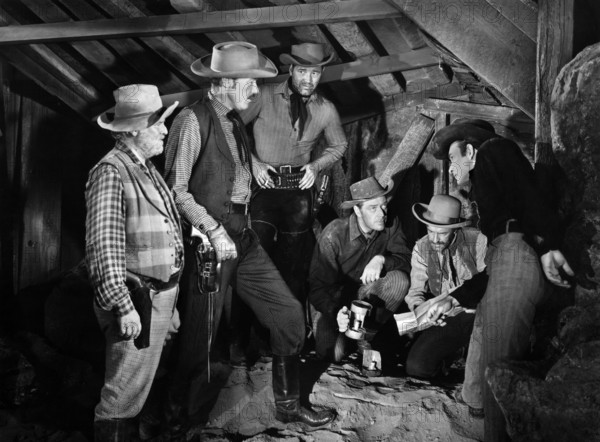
{"x": 419, "y": 209}
{"x": 267, "y": 69}
{"x": 456, "y": 132}
{"x": 351, "y": 203}
{"x": 290, "y": 59}
{"x": 107, "y": 121}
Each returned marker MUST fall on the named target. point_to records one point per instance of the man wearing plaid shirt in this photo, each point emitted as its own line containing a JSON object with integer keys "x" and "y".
{"x": 132, "y": 231}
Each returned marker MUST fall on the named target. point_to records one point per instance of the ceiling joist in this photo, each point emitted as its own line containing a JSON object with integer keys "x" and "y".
{"x": 200, "y": 22}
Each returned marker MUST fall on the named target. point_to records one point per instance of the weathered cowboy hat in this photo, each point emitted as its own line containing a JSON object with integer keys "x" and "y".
{"x": 138, "y": 106}
{"x": 442, "y": 211}
{"x": 306, "y": 54}
{"x": 365, "y": 190}
{"x": 234, "y": 59}
{"x": 469, "y": 130}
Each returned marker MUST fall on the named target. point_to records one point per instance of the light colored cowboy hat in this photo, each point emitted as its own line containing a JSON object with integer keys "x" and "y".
{"x": 138, "y": 106}
{"x": 234, "y": 59}
{"x": 442, "y": 211}
{"x": 365, "y": 190}
{"x": 469, "y": 130}
{"x": 306, "y": 54}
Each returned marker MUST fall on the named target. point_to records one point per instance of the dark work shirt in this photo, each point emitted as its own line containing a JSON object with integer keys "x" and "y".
{"x": 504, "y": 187}
{"x": 343, "y": 251}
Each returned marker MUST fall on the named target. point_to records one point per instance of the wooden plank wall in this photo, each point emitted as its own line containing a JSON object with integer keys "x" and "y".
{"x": 34, "y": 168}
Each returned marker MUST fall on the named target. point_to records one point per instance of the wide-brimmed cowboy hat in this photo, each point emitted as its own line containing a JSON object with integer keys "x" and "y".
{"x": 442, "y": 211}
{"x": 365, "y": 190}
{"x": 138, "y": 106}
{"x": 469, "y": 130}
{"x": 306, "y": 54}
{"x": 234, "y": 59}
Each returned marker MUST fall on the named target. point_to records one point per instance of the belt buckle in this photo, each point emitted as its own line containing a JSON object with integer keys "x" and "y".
{"x": 283, "y": 168}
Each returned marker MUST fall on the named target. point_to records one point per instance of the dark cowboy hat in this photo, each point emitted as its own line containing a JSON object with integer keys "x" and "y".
{"x": 463, "y": 129}
{"x": 442, "y": 211}
{"x": 234, "y": 59}
{"x": 306, "y": 54}
{"x": 138, "y": 106}
{"x": 365, "y": 190}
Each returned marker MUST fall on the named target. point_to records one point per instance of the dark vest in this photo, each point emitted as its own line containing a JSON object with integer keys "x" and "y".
{"x": 211, "y": 182}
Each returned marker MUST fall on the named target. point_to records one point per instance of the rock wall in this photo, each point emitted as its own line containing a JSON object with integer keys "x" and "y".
{"x": 559, "y": 400}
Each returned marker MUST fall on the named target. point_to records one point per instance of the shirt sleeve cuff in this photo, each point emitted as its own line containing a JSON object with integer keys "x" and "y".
{"x": 123, "y": 306}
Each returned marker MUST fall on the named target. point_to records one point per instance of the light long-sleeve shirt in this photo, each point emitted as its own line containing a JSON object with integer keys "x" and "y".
{"x": 460, "y": 262}
{"x": 276, "y": 139}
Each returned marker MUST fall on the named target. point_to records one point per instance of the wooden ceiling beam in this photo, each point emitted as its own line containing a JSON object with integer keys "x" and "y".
{"x": 521, "y": 14}
{"x": 166, "y": 47}
{"x": 554, "y": 50}
{"x": 104, "y": 60}
{"x": 341, "y": 72}
{"x": 493, "y": 47}
{"x": 200, "y": 22}
{"x": 130, "y": 51}
{"x": 186, "y": 6}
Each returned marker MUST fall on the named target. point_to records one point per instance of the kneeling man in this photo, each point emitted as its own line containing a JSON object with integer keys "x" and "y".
{"x": 358, "y": 257}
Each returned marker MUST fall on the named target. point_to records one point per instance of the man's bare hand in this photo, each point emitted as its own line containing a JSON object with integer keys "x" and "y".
{"x": 373, "y": 269}
{"x": 222, "y": 243}
{"x": 438, "y": 311}
{"x": 310, "y": 174}
{"x": 552, "y": 262}
{"x": 130, "y": 325}
{"x": 343, "y": 319}
{"x": 260, "y": 171}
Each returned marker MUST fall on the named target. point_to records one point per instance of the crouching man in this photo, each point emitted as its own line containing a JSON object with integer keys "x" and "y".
{"x": 358, "y": 257}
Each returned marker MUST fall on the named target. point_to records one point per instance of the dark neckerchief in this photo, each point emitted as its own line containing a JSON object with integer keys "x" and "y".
{"x": 241, "y": 137}
{"x": 298, "y": 108}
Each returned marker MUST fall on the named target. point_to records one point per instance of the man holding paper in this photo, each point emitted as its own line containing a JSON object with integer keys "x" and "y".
{"x": 447, "y": 278}
{"x": 446, "y": 283}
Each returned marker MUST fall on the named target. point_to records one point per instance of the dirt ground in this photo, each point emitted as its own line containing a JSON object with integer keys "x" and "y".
{"x": 56, "y": 404}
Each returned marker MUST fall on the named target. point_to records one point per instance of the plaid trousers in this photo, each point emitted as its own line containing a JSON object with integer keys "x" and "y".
{"x": 130, "y": 371}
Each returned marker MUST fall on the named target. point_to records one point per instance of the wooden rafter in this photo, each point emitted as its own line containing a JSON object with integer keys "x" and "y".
{"x": 523, "y": 14}
{"x": 199, "y": 22}
{"x": 555, "y": 49}
{"x": 166, "y": 47}
{"x": 344, "y": 71}
{"x": 496, "y": 50}
{"x": 132, "y": 53}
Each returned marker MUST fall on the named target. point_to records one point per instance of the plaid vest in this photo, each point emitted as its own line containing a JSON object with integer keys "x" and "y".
{"x": 149, "y": 249}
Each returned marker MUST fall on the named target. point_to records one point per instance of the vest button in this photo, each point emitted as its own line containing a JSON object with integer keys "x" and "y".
{"x": 170, "y": 244}
{"x": 168, "y": 232}
{"x": 166, "y": 220}
{"x": 229, "y": 192}
{"x": 225, "y": 203}
{"x": 231, "y": 179}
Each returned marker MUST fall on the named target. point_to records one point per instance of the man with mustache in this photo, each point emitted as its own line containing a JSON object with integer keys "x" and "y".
{"x": 360, "y": 256}
{"x": 447, "y": 264}
{"x": 288, "y": 121}
{"x": 523, "y": 232}
{"x": 132, "y": 231}
{"x": 208, "y": 166}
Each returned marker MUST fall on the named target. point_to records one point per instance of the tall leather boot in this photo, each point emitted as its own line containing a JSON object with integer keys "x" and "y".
{"x": 115, "y": 430}
{"x": 286, "y": 390}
